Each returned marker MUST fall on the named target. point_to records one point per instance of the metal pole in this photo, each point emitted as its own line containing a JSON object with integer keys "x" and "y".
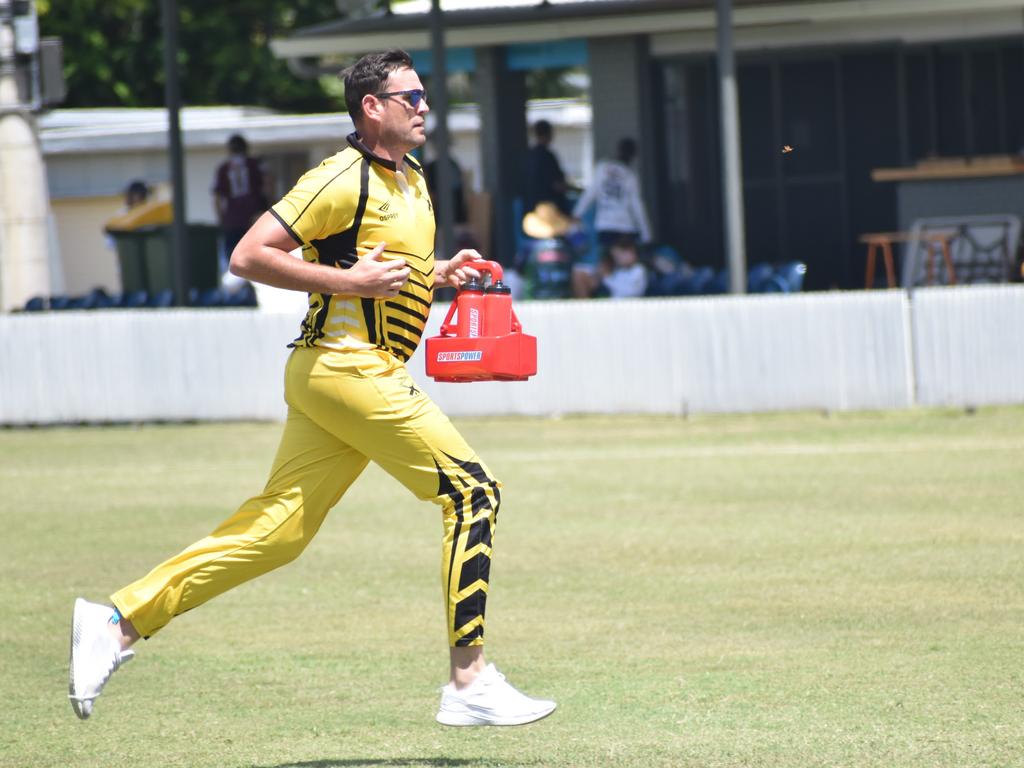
{"x": 732, "y": 171}
{"x": 25, "y": 269}
{"x": 439, "y": 106}
{"x": 172, "y": 97}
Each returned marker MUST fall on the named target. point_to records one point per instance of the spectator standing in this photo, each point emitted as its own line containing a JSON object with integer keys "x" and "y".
{"x": 545, "y": 179}
{"x": 460, "y": 212}
{"x": 459, "y": 215}
{"x": 239, "y": 194}
{"x": 619, "y": 210}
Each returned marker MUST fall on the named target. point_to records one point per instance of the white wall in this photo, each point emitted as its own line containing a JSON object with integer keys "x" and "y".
{"x": 835, "y": 351}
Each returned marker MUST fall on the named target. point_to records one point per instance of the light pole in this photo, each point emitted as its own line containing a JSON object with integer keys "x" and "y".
{"x": 24, "y": 202}
{"x": 732, "y": 171}
{"x": 172, "y": 97}
{"x": 439, "y": 105}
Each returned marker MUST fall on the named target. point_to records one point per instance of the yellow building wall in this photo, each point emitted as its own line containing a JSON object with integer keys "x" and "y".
{"x": 87, "y": 259}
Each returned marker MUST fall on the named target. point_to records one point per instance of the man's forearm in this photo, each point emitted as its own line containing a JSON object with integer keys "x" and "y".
{"x": 273, "y": 266}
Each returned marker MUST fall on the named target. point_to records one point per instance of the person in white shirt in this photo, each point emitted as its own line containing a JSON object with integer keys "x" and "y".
{"x": 622, "y": 274}
{"x": 619, "y": 213}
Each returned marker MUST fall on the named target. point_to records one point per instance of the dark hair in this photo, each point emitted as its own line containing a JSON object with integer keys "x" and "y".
{"x": 137, "y": 190}
{"x": 542, "y": 129}
{"x": 627, "y": 150}
{"x": 369, "y": 75}
{"x": 238, "y": 145}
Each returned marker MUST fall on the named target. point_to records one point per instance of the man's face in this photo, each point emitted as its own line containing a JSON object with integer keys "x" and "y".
{"x": 402, "y": 124}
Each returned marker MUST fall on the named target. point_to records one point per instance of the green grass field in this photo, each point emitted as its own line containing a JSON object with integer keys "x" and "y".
{"x": 790, "y": 590}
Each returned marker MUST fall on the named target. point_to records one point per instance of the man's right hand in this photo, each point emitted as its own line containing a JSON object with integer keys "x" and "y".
{"x": 373, "y": 278}
{"x": 264, "y": 255}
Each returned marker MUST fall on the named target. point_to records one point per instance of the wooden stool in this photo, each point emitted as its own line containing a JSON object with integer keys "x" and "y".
{"x": 882, "y": 241}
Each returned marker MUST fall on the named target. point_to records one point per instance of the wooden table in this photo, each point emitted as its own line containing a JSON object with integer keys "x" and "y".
{"x": 882, "y": 241}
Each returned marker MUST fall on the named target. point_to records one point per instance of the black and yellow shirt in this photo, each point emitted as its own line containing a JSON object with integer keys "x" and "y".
{"x": 340, "y": 211}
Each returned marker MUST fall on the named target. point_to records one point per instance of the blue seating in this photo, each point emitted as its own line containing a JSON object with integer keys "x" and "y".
{"x": 134, "y": 299}
{"x": 792, "y": 274}
{"x": 699, "y": 281}
{"x": 161, "y": 299}
{"x": 719, "y": 283}
{"x": 35, "y": 304}
{"x": 209, "y": 297}
{"x": 774, "y": 284}
{"x": 757, "y": 277}
{"x": 242, "y": 296}
{"x": 97, "y": 298}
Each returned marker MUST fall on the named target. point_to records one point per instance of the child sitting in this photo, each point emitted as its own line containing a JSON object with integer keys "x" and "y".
{"x": 623, "y": 276}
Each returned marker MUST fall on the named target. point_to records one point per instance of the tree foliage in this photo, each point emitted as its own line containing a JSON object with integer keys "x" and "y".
{"x": 113, "y": 52}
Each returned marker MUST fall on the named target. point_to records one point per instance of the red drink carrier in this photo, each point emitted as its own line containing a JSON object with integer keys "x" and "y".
{"x": 481, "y": 338}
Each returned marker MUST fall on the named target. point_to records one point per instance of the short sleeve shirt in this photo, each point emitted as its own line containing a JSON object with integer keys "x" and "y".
{"x": 240, "y": 183}
{"x": 340, "y": 211}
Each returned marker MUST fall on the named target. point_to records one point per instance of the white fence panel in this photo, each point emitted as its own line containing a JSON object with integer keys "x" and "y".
{"x": 835, "y": 351}
{"x": 831, "y": 350}
{"x": 967, "y": 345}
{"x": 142, "y": 365}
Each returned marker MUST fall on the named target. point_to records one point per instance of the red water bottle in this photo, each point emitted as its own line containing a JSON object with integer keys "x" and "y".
{"x": 497, "y": 309}
{"x": 470, "y": 310}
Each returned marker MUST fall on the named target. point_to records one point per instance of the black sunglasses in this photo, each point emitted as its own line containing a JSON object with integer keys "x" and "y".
{"x": 414, "y": 95}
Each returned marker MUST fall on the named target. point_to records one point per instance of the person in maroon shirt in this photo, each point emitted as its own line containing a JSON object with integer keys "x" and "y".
{"x": 238, "y": 193}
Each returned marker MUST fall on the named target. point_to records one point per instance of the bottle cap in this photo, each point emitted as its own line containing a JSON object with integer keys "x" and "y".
{"x": 473, "y": 284}
{"x": 498, "y": 287}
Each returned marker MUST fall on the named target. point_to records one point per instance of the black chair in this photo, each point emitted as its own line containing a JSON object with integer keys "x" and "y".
{"x": 980, "y": 249}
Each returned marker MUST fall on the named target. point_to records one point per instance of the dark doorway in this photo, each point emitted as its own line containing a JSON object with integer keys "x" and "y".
{"x": 844, "y": 113}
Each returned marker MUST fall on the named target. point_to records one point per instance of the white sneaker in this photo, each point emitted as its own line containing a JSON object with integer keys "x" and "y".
{"x": 95, "y": 655}
{"x": 489, "y": 700}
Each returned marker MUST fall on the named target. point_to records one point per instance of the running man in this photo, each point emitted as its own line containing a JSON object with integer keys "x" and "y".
{"x": 365, "y": 224}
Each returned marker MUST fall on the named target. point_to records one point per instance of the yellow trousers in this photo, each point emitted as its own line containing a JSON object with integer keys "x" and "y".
{"x": 345, "y": 409}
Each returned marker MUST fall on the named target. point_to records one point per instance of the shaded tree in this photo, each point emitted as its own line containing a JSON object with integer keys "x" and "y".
{"x": 113, "y": 52}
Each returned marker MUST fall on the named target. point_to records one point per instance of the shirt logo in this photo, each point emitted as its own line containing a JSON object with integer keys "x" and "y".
{"x": 468, "y": 356}
{"x": 384, "y": 214}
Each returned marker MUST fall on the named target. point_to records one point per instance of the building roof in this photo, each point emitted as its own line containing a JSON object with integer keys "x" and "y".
{"x": 93, "y": 131}
{"x": 503, "y": 22}
{"x": 74, "y": 131}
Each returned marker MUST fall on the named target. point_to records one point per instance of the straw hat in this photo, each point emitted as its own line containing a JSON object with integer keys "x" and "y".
{"x": 546, "y": 221}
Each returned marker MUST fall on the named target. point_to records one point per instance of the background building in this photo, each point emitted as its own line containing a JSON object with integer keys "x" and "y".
{"x": 92, "y": 155}
{"x": 851, "y": 85}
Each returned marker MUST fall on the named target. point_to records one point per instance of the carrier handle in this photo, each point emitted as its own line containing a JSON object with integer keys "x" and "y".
{"x": 491, "y": 268}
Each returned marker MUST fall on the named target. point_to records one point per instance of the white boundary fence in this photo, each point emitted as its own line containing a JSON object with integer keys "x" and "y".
{"x": 836, "y": 351}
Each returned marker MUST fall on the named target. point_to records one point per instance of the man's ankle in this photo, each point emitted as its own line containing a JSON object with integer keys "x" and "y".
{"x": 467, "y": 664}
{"x": 122, "y": 630}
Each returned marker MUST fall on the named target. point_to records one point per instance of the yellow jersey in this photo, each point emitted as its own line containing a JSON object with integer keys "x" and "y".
{"x": 341, "y": 210}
